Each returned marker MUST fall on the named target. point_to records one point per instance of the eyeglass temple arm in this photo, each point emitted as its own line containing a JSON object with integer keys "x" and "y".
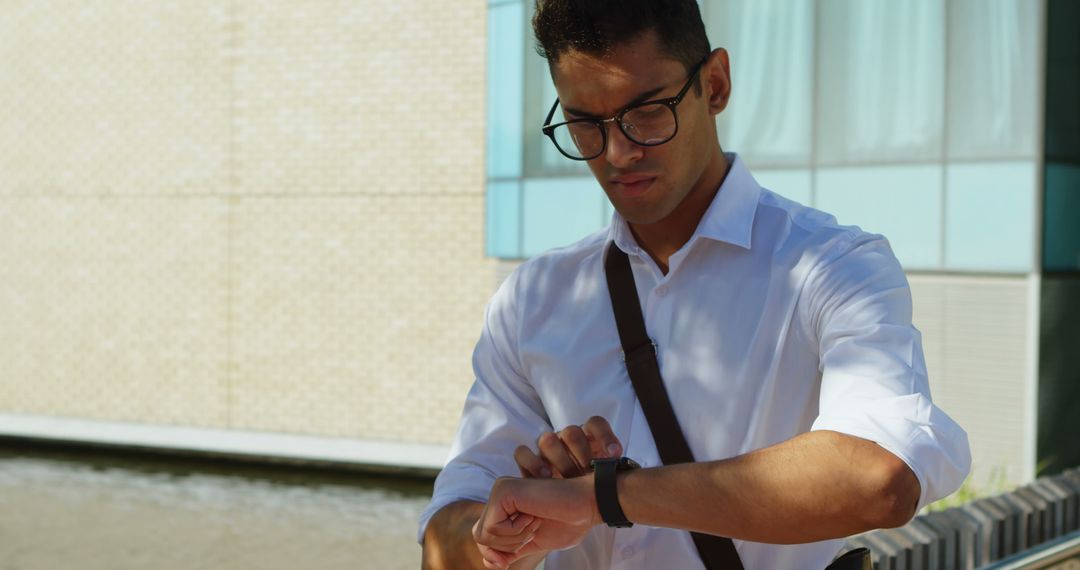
{"x": 551, "y": 113}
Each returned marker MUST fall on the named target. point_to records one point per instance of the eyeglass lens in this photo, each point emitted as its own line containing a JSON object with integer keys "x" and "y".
{"x": 647, "y": 125}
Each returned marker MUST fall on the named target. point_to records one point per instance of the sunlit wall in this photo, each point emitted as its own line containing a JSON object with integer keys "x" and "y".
{"x": 242, "y": 215}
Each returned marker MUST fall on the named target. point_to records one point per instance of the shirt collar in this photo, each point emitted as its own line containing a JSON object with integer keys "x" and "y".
{"x": 730, "y": 217}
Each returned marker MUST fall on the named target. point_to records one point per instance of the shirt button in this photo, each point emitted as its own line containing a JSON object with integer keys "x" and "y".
{"x": 628, "y": 552}
{"x": 661, "y": 290}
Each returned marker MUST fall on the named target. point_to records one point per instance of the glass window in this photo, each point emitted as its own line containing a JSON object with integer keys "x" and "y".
{"x": 990, "y": 217}
{"x": 881, "y": 81}
{"x": 1061, "y": 247}
{"x": 502, "y": 218}
{"x": 993, "y": 78}
{"x": 915, "y": 119}
{"x": 792, "y": 183}
{"x": 559, "y": 211}
{"x": 1062, "y": 81}
{"x": 902, "y": 202}
{"x": 771, "y": 48}
{"x": 506, "y": 46}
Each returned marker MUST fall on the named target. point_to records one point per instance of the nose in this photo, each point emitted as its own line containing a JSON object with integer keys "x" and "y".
{"x": 621, "y": 151}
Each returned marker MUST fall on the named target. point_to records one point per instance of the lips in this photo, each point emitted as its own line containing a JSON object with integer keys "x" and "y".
{"x": 632, "y": 184}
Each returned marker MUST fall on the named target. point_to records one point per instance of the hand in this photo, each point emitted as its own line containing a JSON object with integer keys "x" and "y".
{"x": 568, "y": 453}
{"x": 528, "y": 516}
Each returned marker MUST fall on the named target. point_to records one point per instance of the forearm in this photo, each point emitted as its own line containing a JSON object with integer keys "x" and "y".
{"x": 448, "y": 540}
{"x": 449, "y": 544}
{"x": 816, "y": 486}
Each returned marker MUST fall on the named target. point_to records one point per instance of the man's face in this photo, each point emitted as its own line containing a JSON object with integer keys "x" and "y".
{"x": 644, "y": 183}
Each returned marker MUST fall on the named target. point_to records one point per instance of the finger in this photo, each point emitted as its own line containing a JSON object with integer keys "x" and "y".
{"x": 511, "y": 526}
{"x": 555, "y": 454}
{"x": 532, "y": 527}
{"x": 577, "y": 444}
{"x": 528, "y": 548}
{"x": 492, "y": 532}
{"x": 528, "y": 532}
{"x": 513, "y": 544}
{"x": 507, "y": 543}
{"x": 530, "y": 464}
{"x": 494, "y": 559}
{"x": 602, "y": 437}
{"x": 525, "y": 541}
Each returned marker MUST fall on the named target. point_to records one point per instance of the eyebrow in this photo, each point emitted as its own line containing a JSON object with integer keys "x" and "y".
{"x": 644, "y": 96}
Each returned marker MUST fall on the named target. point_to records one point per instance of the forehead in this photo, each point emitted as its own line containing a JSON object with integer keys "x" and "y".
{"x": 604, "y": 84}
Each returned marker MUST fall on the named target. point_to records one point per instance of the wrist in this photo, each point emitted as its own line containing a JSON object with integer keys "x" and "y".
{"x": 588, "y": 487}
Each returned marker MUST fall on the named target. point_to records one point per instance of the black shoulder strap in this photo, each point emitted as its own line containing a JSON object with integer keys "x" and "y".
{"x": 639, "y": 352}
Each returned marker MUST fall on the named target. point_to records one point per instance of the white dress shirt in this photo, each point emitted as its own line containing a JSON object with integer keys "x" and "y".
{"x": 773, "y": 320}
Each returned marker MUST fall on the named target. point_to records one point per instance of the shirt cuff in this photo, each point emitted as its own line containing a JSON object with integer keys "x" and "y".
{"x": 452, "y": 485}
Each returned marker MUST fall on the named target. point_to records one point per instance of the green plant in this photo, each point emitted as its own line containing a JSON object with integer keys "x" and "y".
{"x": 997, "y": 483}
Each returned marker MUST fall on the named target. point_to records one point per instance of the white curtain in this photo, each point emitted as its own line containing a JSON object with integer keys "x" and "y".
{"x": 863, "y": 82}
{"x": 771, "y": 46}
{"x": 881, "y": 76}
{"x": 993, "y": 78}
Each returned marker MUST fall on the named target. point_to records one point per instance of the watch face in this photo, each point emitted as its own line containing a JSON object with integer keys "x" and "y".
{"x": 605, "y": 460}
{"x": 621, "y": 463}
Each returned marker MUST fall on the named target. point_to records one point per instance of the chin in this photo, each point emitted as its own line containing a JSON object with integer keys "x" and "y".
{"x": 642, "y": 216}
{"x": 639, "y": 212}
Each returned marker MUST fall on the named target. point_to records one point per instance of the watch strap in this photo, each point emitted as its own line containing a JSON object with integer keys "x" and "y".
{"x": 607, "y": 493}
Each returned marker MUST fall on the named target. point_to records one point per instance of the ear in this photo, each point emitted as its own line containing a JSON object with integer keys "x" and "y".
{"x": 717, "y": 78}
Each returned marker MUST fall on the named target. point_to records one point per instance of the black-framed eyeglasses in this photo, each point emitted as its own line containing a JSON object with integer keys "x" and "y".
{"x": 649, "y": 123}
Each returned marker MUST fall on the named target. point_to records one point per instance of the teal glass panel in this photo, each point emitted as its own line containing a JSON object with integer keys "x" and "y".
{"x": 1061, "y": 221}
{"x": 902, "y": 202}
{"x": 990, "y": 216}
{"x": 1062, "y": 81}
{"x": 608, "y": 210}
{"x": 502, "y": 216}
{"x": 505, "y": 89}
{"x": 560, "y": 211}
{"x": 793, "y": 184}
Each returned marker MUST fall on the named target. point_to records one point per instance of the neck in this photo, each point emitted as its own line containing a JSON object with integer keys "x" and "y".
{"x": 663, "y": 238}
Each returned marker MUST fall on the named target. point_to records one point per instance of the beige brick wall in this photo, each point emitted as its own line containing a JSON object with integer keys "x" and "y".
{"x": 257, "y": 215}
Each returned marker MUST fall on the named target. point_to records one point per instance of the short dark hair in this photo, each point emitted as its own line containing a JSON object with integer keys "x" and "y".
{"x": 595, "y": 27}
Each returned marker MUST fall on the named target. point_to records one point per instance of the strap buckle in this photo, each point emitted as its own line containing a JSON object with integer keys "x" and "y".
{"x": 636, "y": 350}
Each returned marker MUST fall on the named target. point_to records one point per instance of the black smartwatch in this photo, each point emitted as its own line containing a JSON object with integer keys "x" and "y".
{"x": 607, "y": 495}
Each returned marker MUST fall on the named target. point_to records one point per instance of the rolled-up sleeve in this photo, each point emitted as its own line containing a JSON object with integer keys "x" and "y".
{"x": 874, "y": 382}
{"x": 502, "y": 411}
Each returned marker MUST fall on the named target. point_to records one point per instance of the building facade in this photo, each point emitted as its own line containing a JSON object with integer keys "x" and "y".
{"x": 272, "y": 228}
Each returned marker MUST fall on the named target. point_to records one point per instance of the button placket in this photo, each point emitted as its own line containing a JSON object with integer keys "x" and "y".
{"x": 626, "y": 545}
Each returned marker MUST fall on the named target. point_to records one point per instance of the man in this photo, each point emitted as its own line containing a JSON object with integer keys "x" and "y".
{"x": 784, "y": 340}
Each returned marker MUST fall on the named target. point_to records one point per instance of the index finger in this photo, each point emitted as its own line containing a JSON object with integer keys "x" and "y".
{"x": 530, "y": 464}
{"x": 602, "y": 438}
